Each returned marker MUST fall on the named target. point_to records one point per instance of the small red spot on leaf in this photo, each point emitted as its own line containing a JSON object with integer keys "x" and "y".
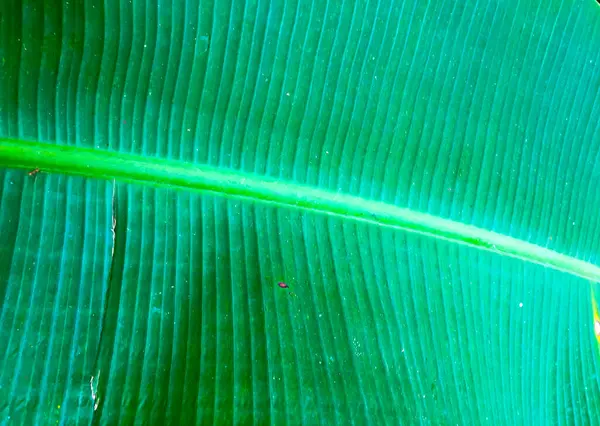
{"x": 283, "y": 285}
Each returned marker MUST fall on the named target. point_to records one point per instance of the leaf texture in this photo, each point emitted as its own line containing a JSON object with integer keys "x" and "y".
{"x": 485, "y": 114}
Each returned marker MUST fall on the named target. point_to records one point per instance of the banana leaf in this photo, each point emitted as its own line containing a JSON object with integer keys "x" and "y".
{"x": 279, "y": 212}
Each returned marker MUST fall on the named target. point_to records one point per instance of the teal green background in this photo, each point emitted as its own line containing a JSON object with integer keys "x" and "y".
{"x": 483, "y": 113}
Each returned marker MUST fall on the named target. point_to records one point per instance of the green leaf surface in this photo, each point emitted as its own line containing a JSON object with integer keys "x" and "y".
{"x": 422, "y": 176}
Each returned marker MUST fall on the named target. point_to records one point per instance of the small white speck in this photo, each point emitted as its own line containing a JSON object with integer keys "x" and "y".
{"x": 189, "y": 130}
{"x": 521, "y": 305}
{"x": 287, "y": 94}
{"x": 145, "y": 45}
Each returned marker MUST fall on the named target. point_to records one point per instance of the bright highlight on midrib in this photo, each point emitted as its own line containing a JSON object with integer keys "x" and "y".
{"x": 103, "y": 164}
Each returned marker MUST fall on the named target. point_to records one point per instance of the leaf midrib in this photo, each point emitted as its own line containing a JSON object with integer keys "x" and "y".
{"x": 102, "y": 164}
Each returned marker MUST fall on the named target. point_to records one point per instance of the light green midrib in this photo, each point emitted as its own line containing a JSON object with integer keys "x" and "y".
{"x": 101, "y": 164}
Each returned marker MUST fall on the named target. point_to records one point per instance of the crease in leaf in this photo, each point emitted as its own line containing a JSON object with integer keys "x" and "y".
{"x": 102, "y": 164}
